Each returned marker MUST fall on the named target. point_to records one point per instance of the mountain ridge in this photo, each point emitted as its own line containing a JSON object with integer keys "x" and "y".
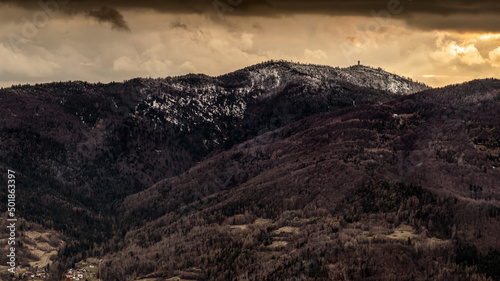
{"x": 91, "y": 146}
{"x": 61, "y": 137}
{"x": 438, "y": 151}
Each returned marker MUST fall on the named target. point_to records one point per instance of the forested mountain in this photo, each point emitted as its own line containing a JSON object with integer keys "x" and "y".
{"x": 273, "y": 172}
{"x": 79, "y": 148}
{"x": 406, "y": 190}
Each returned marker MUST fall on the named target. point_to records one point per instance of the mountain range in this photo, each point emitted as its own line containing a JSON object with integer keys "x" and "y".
{"x": 279, "y": 171}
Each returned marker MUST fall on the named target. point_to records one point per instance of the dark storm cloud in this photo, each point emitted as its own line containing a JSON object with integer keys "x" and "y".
{"x": 178, "y": 24}
{"x": 254, "y": 7}
{"x": 416, "y": 12}
{"x": 459, "y": 22}
{"x": 110, "y": 15}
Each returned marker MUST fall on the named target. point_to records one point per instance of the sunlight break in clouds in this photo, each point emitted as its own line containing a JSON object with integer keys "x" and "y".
{"x": 451, "y": 50}
{"x": 495, "y": 57}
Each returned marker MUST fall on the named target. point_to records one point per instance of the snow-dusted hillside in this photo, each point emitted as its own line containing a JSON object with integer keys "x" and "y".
{"x": 274, "y": 73}
{"x": 82, "y": 147}
{"x": 165, "y": 125}
{"x": 380, "y": 79}
{"x": 191, "y": 100}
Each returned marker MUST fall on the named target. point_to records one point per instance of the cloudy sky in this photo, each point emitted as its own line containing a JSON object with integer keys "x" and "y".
{"x": 437, "y": 42}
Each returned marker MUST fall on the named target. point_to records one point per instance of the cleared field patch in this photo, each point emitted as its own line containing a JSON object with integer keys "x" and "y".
{"x": 278, "y": 244}
{"x": 42, "y": 245}
{"x": 287, "y": 230}
{"x": 403, "y": 232}
{"x": 261, "y": 221}
{"x": 240, "y": 227}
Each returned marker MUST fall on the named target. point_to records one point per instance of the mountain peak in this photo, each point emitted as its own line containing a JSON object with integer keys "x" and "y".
{"x": 359, "y": 75}
{"x": 252, "y": 163}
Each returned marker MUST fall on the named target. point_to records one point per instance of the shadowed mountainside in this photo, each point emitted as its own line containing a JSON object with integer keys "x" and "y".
{"x": 78, "y": 149}
{"x": 406, "y": 190}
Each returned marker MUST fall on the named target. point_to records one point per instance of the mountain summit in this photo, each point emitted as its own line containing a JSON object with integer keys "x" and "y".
{"x": 359, "y": 75}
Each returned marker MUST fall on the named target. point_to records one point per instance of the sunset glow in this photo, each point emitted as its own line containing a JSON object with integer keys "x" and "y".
{"x": 152, "y": 41}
